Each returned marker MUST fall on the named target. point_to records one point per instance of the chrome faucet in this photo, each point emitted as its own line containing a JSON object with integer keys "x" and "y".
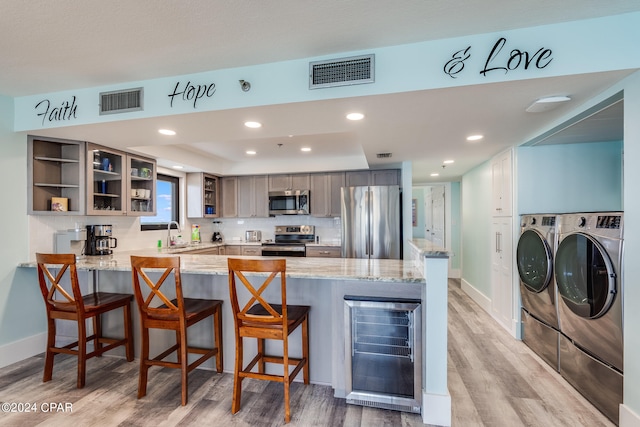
{"x": 169, "y": 231}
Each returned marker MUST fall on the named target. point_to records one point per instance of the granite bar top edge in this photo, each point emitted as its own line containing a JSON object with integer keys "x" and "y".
{"x": 344, "y": 269}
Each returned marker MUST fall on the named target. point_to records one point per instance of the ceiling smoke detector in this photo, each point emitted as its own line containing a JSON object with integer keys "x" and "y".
{"x": 383, "y": 155}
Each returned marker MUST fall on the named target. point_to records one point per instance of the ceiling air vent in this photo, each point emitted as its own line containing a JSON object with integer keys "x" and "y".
{"x": 121, "y": 101}
{"x": 383, "y": 155}
{"x": 341, "y": 72}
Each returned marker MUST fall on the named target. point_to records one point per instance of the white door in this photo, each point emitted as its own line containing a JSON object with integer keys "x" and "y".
{"x": 502, "y": 271}
{"x": 438, "y": 216}
{"x": 428, "y": 218}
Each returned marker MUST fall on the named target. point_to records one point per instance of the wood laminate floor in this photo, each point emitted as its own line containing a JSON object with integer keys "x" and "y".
{"x": 494, "y": 380}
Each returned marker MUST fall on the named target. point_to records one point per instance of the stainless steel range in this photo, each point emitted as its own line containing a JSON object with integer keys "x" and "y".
{"x": 290, "y": 240}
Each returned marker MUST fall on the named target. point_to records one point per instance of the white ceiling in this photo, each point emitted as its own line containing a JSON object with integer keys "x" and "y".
{"x": 56, "y": 45}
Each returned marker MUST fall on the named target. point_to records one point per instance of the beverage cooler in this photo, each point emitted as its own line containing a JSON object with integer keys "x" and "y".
{"x": 383, "y": 353}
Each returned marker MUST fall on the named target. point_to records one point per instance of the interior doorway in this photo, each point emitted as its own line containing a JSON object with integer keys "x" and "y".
{"x": 437, "y": 218}
{"x": 433, "y": 218}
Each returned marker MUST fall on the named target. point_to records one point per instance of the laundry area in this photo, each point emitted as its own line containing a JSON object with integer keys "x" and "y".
{"x": 569, "y": 262}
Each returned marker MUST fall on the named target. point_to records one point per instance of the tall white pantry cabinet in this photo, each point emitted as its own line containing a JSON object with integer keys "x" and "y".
{"x": 502, "y": 281}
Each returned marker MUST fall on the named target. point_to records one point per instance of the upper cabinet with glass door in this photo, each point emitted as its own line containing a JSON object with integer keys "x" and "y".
{"x": 105, "y": 182}
{"x": 119, "y": 183}
{"x": 142, "y": 186}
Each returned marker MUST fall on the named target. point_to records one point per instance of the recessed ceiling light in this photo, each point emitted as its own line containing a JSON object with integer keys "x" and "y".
{"x": 167, "y": 131}
{"x": 177, "y": 167}
{"x": 253, "y": 125}
{"x": 251, "y": 152}
{"x": 474, "y": 137}
{"x": 355, "y": 116}
{"x": 435, "y": 174}
{"x": 305, "y": 149}
{"x": 448, "y": 162}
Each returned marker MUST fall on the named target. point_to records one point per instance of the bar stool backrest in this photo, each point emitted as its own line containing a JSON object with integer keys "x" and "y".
{"x": 269, "y": 315}
{"x": 157, "y": 304}
{"x": 53, "y": 292}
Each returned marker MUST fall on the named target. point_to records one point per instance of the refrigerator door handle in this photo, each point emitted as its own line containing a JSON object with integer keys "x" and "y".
{"x": 367, "y": 242}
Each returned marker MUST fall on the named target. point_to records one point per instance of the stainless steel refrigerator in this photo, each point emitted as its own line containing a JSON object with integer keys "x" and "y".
{"x": 371, "y": 222}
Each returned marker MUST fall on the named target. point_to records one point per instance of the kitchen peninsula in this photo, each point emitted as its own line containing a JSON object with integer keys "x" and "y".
{"x": 321, "y": 283}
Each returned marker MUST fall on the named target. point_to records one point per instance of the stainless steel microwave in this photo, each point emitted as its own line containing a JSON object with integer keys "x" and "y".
{"x": 289, "y": 202}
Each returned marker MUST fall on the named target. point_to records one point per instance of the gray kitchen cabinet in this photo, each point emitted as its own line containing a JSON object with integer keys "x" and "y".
{"x": 56, "y": 177}
{"x": 385, "y": 177}
{"x": 204, "y": 251}
{"x": 229, "y": 190}
{"x": 119, "y": 183}
{"x": 299, "y": 181}
{"x": 252, "y": 250}
{"x": 232, "y": 250}
{"x": 324, "y": 251}
{"x": 357, "y": 178}
{"x": 373, "y": 177}
{"x": 253, "y": 196}
{"x": 203, "y": 196}
{"x": 325, "y": 193}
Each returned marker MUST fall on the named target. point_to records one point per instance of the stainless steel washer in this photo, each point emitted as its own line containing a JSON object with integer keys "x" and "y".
{"x": 588, "y": 268}
{"x": 534, "y": 259}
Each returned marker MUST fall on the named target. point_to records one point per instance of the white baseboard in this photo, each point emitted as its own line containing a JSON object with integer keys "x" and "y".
{"x": 19, "y": 350}
{"x": 436, "y": 409}
{"x": 454, "y": 273}
{"x": 628, "y": 418}
{"x": 483, "y": 301}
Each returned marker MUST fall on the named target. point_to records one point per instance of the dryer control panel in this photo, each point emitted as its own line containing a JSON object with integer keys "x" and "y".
{"x": 609, "y": 221}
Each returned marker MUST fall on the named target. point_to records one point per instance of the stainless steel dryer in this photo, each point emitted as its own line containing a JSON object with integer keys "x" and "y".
{"x": 588, "y": 269}
{"x": 534, "y": 258}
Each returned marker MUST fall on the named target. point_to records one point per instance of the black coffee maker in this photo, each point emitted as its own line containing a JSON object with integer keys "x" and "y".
{"x": 217, "y": 234}
{"x": 99, "y": 240}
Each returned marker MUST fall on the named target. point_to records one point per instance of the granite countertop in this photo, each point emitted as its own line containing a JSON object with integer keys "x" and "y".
{"x": 429, "y": 249}
{"x": 379, "y": 270}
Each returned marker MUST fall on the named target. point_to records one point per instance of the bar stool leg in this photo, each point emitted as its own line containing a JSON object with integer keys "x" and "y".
{"x": 144, "y": 367}
{"x": 261, "y": 363}
{"x": 305, "y": 349}
{"x": 49, "y": 354}
{"x": 82, "y": 352}
{"x": 184, "y": 362}
{"x": 237, "y": 383}
{"x": 128, "y": 332}
{"x": 217, "y": 327}
{"x": 287, "y": 383}
{"x": 97, "y": 331}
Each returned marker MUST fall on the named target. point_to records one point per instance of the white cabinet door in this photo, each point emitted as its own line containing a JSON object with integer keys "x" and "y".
{"x": 502, "y": 271}
{"x": 501, "y": 183}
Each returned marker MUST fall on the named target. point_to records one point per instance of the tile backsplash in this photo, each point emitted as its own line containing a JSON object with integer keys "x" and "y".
{"x": 42, "y": 229}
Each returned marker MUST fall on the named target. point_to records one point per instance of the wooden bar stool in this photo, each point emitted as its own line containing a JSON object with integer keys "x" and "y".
{"x": 254, "y": 317}
{"x": 61, "y": 304}
{"x": 177, "y": 315}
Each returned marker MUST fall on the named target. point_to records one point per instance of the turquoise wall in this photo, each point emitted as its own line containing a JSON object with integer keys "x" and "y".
{"x": 455, "y": 225}
{"x": 570, "y": 178}
{"x": 22, "y": 312}
{"x": 476, "y": 230}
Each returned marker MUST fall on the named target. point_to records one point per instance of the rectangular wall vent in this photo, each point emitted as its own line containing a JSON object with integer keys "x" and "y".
{"x": 341, "y": 72}
{"x": 383, "y": 155}
{"x": 121, "y": 101}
